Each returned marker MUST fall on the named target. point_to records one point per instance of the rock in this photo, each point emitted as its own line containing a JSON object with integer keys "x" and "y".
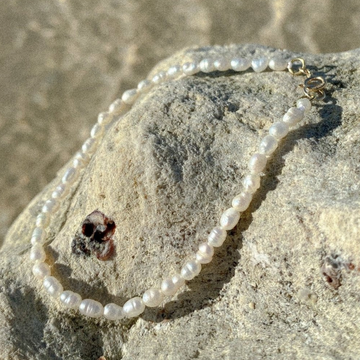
{"x": 164, "y": 173}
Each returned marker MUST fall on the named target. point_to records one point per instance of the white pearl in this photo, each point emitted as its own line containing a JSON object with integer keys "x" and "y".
{"x": 91, "y": 308}
{"x": 205, "y": 253}
{"x": 174, "y": 71}
{"x": 40, "y": 270}
{"x": 52, "y": 286}
{"x": 78, "y": 164}
{"x": 268, "y": 145}
{"x": 217, "y": 237}
{"x": 278, "y": 64}
{"x": 69, "y": 176}
{"x": 190, "y": 68}
{"x": 242, "y": 201}
{"x": 59, "y": 192}
{"x": 240, "y": 64}
{"x": 144, "y": 85}
{"x": 50, "y": 206}
{"x": 159, "y": 77}
{"x": 259, "y": 64}
{"x": 96, "y": 130}
{"x": 257, "y": 163}
{"x": 304, "y": 104}
{"x": 38, "y": 236}
{"x": 37, "y": 253}
{"x": 104, "y": 118}
{"x": 206, "y": 65}
{"x": 251, "y": 183}
{"x": 134, "y": 307}
{"x": 293, "y": 116}
{"x": 129, "y": 96}
{"x": 222, "y": 64}
{"x": 113, "y": 312}
{"x": 168, "y": 287}
{"x": 153, "y": 297}
{"x": 88, "y": 147}
{"x": 70, "y": 299}
{"x": 42, "y": 220}
{"x": 279, "y": 130}
{"x": 191, "y": 269}
{"x": 115, "y": 108}
{"x": 229, "y": 219}
{"x": 178, "y": 281}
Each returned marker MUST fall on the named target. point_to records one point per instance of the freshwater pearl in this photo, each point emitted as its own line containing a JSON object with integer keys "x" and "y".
{"x": 41, "y": 270}
{"x": 168, "y": 287}
{"x": 69, "y": 175}
{"x": 42, "y": 220}
{"x": 278, "y": 64}
{"x": 78, "y": 164}
{"x": 217, "y": 237}
{"x": 97, "y": 130}
{"x": 37, "y": 253}
{"x": 191, "y": 269}
{"x": 205, "y": 253}
{"x": 134, "y": 307}
{"x": 251, "y": 183}
{"x": 38, "y": 236}
{"x": 116, "y": 108}
{"x": 293, "y": 116}
{"x": 279, "y": 130}
{"x": 144, "y": 85}
{"x": 159, "y": 77}
{"x": 178, "y": 281}
{"x": 259, "y": 64}
{"x": 304, "y": 104}
{"x": 104, "y": 118}
{"x": 268, "y": 145}
{"x": 129, "y": 96}
{"x": 113, "y": 312}
{"x": 52, "y": 286}
{"x": 242, "y": 201}
{"x": 257, "y": 163}
{"x": 174, "y": 71}
{"x": 88, "y": 147}
{"x": 240, "y": 64}
{"x": 206, "y": 65}
{"x": 222, "y": 64}
{"x": 50, "y": 206}
{"x": 190, "y": 68}
{"x": 153, "y": 297}
{"x": 229, "y": 219}
{"x": 60, "y": 191}
{"x": 70, "y": 299}
{"x": 91, "y": 308}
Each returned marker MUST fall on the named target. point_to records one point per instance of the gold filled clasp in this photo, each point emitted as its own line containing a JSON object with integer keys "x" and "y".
{"x": 313, "y": 85}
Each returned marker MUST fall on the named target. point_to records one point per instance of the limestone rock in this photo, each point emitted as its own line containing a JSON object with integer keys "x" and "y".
{"x": 165, "y": 172}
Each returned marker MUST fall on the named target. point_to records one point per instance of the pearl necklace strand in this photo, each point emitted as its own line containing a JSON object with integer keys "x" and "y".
{"x": 313, "y": 90}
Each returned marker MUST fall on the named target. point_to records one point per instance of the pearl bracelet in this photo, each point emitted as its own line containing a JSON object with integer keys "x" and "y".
{"x": 313, "y": 90}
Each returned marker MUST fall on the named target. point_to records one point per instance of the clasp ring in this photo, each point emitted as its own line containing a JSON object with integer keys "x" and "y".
{"x": 302, "y": 69}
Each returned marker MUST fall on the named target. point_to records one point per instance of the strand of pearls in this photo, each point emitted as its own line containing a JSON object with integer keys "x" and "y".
{"x": 154, "y": 297}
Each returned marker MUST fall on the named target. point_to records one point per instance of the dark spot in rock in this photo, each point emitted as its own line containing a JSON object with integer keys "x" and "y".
{"x": 331, "y": 270}
{"x": 95, "y": 237}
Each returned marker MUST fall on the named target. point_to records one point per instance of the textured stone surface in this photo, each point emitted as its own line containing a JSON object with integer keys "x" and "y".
{"x": 64, "y": 61}
{"x": 164, "y": 173}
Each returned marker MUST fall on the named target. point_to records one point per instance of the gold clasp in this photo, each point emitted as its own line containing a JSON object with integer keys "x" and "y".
{"x": 313, "y": 85}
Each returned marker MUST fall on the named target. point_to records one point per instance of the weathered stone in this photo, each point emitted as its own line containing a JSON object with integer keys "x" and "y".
{"x": 165, "y": 172}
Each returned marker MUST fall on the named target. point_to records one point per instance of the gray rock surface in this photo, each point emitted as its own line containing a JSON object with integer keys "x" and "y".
{"x": 63, "y": 61}
{"x": 284, "y": 285}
